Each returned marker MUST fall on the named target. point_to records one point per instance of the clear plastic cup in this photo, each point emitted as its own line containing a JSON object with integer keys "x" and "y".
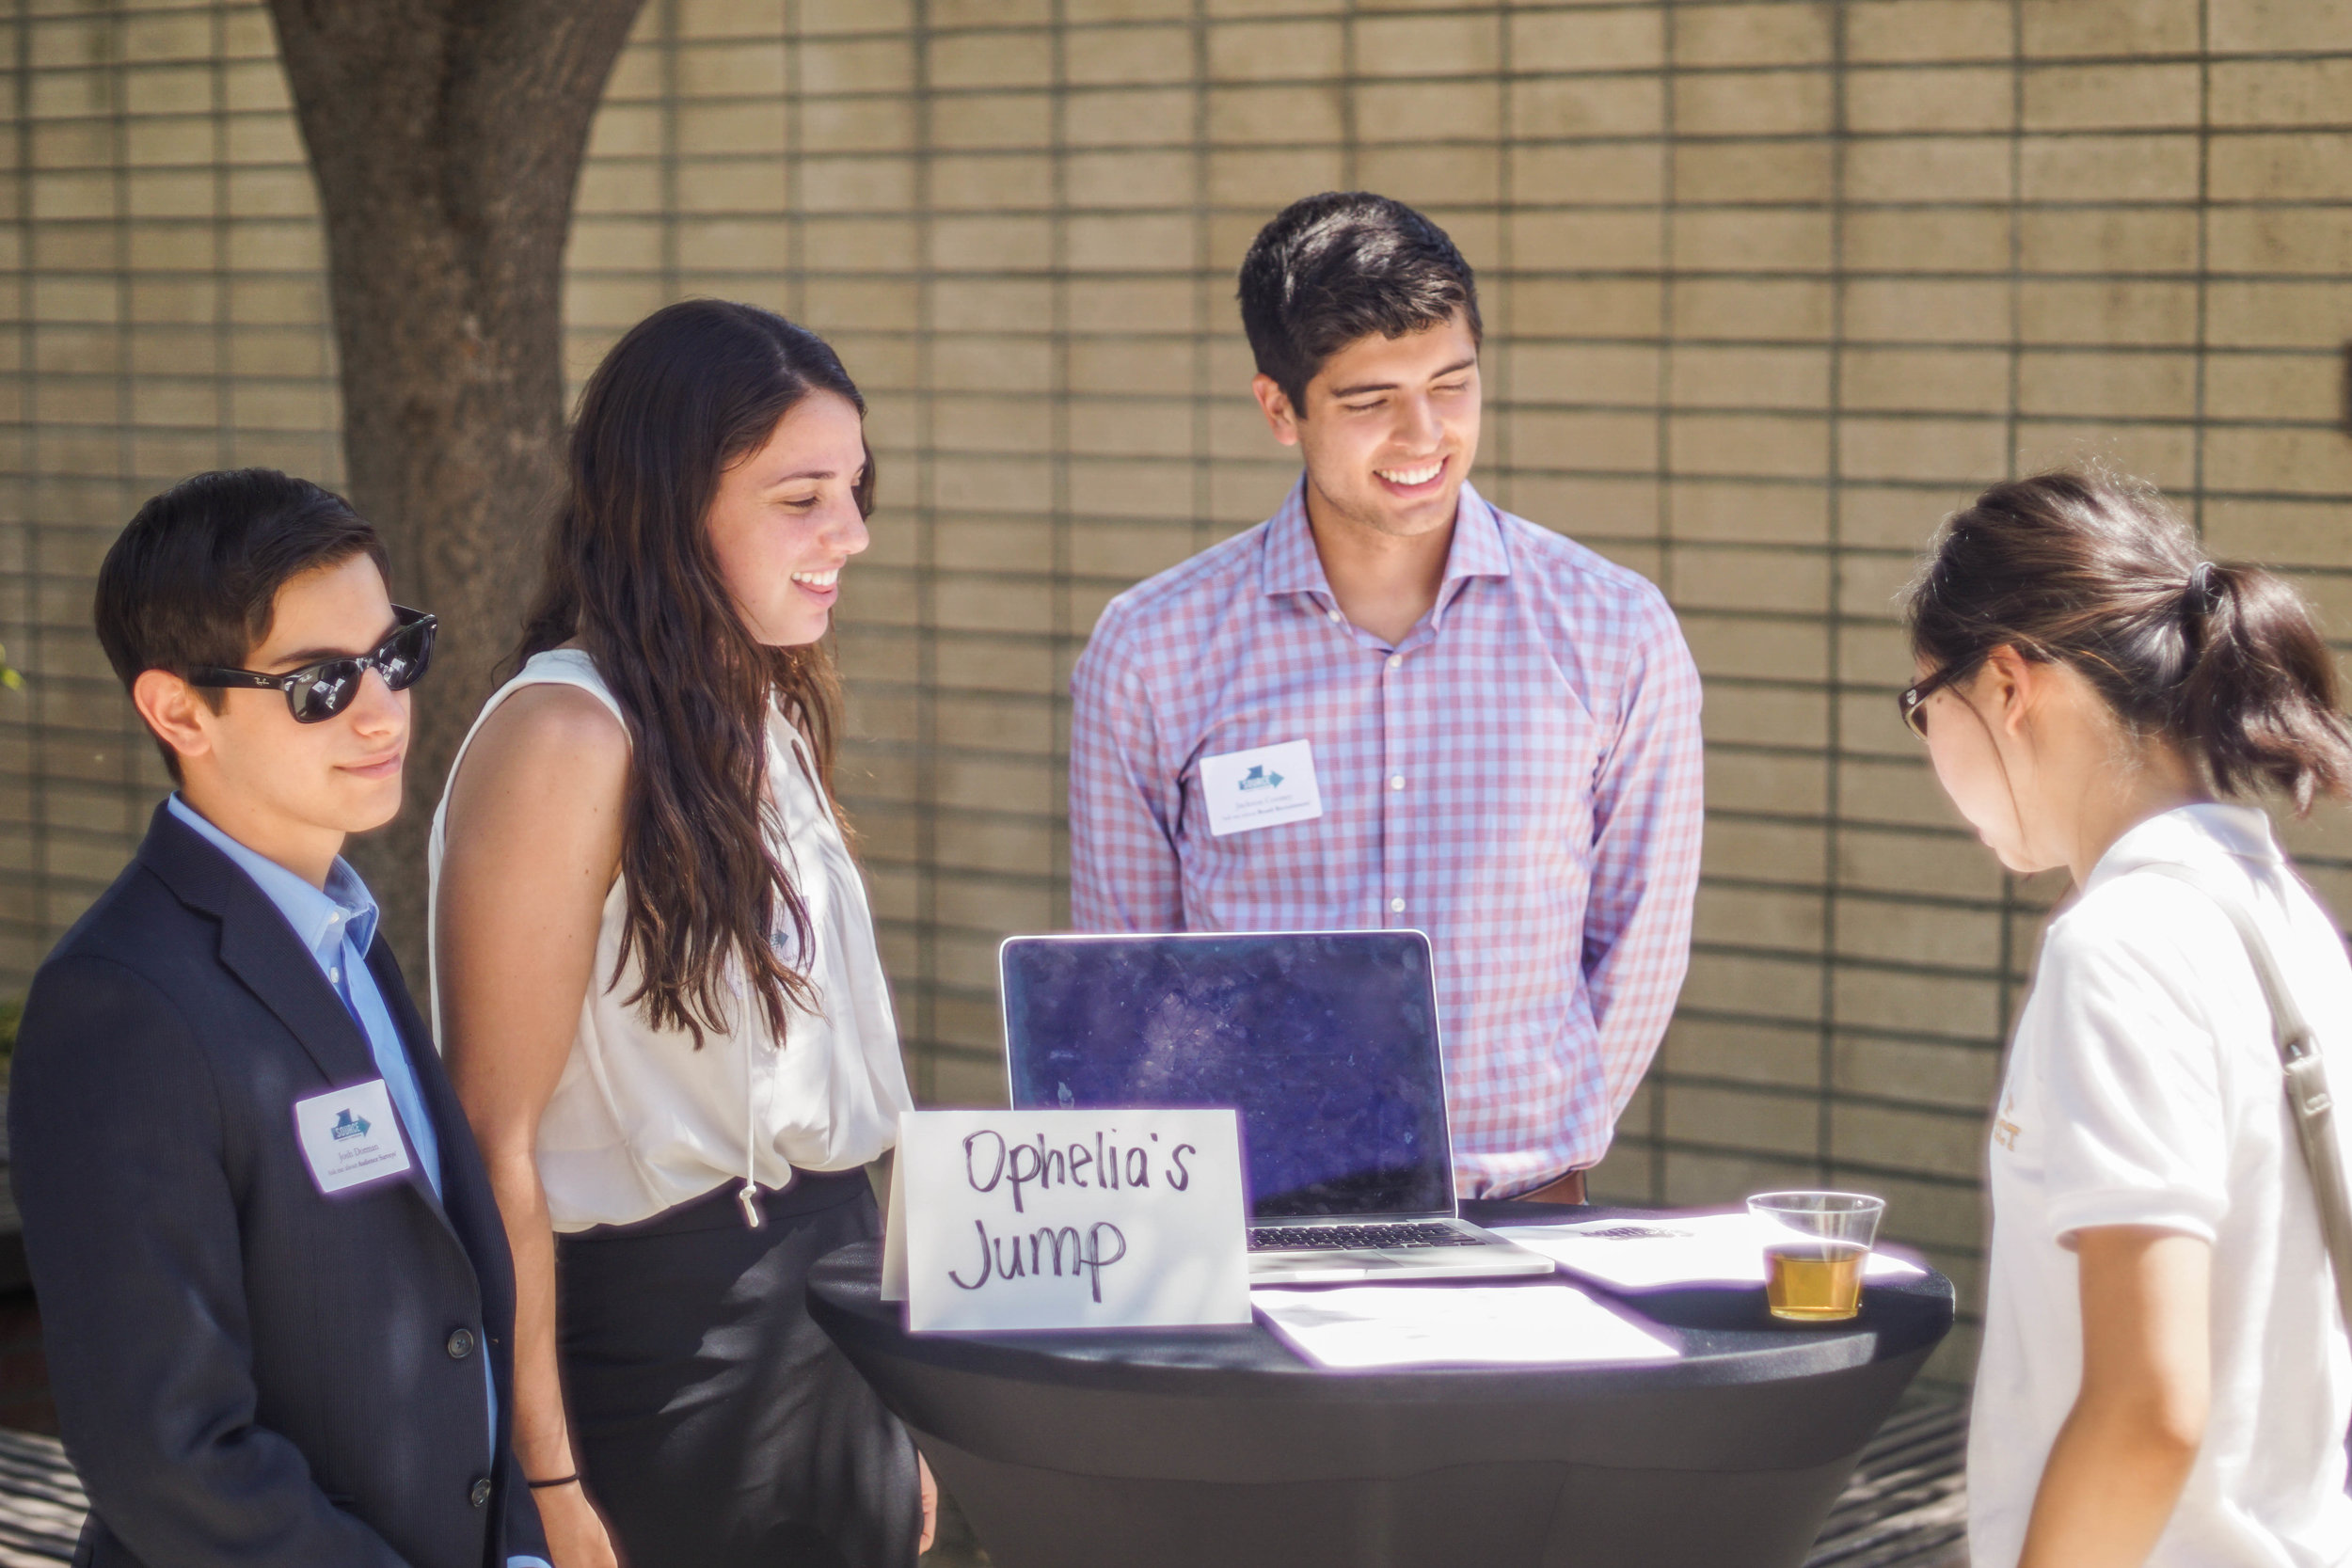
{"x": 1813, "y": 1263}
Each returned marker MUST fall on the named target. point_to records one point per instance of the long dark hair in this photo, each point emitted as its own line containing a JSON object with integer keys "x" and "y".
{"x": 2219, "y": 658}
{"x": 630, "y": 573}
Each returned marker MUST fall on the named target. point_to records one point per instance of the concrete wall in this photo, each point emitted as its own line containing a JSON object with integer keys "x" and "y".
{"x": 1770, "y": 285}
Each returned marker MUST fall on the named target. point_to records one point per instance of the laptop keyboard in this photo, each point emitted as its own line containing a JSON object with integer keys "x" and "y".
{"x": 1348, "y": 1238}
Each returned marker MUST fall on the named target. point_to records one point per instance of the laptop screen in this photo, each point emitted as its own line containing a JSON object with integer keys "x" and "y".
{"x": 1327, "y": 1044}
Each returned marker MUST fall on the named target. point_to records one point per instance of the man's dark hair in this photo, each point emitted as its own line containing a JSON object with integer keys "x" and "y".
{"x": 1337, "y": 267}
{"x": 194, "y": 578}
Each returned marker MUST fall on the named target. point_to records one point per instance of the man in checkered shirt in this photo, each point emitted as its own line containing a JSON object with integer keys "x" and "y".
{"x": 1393, "y": 705}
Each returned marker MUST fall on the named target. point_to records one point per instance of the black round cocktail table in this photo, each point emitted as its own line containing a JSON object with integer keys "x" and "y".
{"x": 1219, "y": 1448}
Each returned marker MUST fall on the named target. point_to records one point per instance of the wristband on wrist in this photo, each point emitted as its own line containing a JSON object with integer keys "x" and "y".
{"x": 554, "y": 1481}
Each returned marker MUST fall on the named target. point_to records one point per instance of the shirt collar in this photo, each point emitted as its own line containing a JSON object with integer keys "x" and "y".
{"x": 321, "y": 919}
{"x": 1291, "y": 564}
{"x": 2188, "y": 834}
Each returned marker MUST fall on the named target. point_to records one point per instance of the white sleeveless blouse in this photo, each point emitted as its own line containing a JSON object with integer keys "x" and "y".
{"x": 641, "y": 1121}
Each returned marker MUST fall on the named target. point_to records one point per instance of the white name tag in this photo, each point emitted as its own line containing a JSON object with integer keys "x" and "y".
{"x": 350, "y": 1136}
{"x": 1261, "y": 788}
{"x": 1067, "y": 1219}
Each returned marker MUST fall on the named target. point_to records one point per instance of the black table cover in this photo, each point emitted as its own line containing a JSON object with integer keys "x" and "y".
{"x": 1220, "y": 1448}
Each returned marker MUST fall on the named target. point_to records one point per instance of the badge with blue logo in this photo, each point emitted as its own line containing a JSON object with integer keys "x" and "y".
{"x": 1262, "y": 787}
{"x": 350, "y": 1137}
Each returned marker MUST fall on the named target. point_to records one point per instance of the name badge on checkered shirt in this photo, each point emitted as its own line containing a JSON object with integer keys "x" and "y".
{"x": 1264, "y": 787}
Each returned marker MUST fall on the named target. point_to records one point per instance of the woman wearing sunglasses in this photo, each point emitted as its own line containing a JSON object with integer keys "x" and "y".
{"x": 2165, "y": 1375}
{"x": 656, "y": 973}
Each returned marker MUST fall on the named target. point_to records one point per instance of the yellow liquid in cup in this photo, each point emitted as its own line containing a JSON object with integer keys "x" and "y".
{"x": 1813, "y": 1280}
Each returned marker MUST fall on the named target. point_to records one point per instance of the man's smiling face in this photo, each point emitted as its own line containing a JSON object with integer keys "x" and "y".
{"x": 1390, "y": 427}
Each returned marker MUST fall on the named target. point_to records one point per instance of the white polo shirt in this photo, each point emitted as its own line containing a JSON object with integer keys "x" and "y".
{"x": 2143, "y": 1088}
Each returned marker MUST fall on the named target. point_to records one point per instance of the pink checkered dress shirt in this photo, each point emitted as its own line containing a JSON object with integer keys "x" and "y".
{"x": 1520, "y": 778}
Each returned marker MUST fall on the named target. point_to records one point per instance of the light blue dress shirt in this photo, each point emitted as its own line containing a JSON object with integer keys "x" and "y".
{"x": 338, "y": 926}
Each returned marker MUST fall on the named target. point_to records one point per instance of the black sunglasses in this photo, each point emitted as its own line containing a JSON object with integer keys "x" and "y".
{"x": 1914, "y": 701}
{"x": 319, "y": 692}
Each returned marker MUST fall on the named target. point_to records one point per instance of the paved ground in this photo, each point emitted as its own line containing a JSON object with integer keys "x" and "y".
{"x": 40, "y": 1503}
{"x": 1907, "y": 1506}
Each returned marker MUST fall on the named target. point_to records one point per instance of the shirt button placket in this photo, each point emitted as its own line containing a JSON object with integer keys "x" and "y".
{"x": 1391, "y": 821}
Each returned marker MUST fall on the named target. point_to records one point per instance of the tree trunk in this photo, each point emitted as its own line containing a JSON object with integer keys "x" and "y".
{"x": 446, "y": 137}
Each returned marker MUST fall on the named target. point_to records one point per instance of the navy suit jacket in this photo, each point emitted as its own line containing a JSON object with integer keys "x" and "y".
{"x": 246, "y": 1371}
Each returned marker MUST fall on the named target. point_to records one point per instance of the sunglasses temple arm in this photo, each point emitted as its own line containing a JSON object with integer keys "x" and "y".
{"x": 239, "y": 679}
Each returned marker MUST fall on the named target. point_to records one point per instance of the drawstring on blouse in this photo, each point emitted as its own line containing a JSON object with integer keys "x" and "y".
{"x": 748, "y": 1197}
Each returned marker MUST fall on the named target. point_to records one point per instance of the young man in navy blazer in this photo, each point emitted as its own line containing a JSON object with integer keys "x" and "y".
{"x": 274, "y": 1285}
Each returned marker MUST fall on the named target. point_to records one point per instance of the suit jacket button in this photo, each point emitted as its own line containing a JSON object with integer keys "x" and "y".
{"x": 460, "y": 1344}
{"x": 481, "y": 1493}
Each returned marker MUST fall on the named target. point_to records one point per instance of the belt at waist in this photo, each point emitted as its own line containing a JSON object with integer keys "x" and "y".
{"x": 722, "y": 1208}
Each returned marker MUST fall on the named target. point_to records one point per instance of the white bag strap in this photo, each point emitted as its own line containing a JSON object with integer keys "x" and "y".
{"x": 2306, "y": 1080}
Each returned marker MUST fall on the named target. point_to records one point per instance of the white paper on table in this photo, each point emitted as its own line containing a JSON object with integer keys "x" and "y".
{"x": 1362, "y": 1326}
{"x": 1644, "y": 1254}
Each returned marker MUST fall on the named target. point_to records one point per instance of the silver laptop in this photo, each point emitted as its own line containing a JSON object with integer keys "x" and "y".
{"x": 1325, "y": 1041}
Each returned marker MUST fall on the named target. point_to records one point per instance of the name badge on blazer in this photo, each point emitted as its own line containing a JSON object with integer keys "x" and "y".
{"x": 351, "y": 1137}
{"x": 1262, "y": 787}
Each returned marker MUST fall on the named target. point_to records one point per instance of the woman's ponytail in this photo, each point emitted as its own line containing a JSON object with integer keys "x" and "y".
{"x": 2221, "y": 659}
{"x": 2258, "y": 702}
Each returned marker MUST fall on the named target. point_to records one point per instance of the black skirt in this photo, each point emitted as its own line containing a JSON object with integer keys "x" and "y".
{"x": 715, "y": 1424}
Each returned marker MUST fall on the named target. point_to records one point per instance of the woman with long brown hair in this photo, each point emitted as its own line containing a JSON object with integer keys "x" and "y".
{"x": 655, "y": 979}
{"x": 2164, "y": 1378}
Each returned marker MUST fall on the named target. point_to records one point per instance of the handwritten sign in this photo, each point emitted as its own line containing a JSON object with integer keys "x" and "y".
{"x": 1067, "y": 1219}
